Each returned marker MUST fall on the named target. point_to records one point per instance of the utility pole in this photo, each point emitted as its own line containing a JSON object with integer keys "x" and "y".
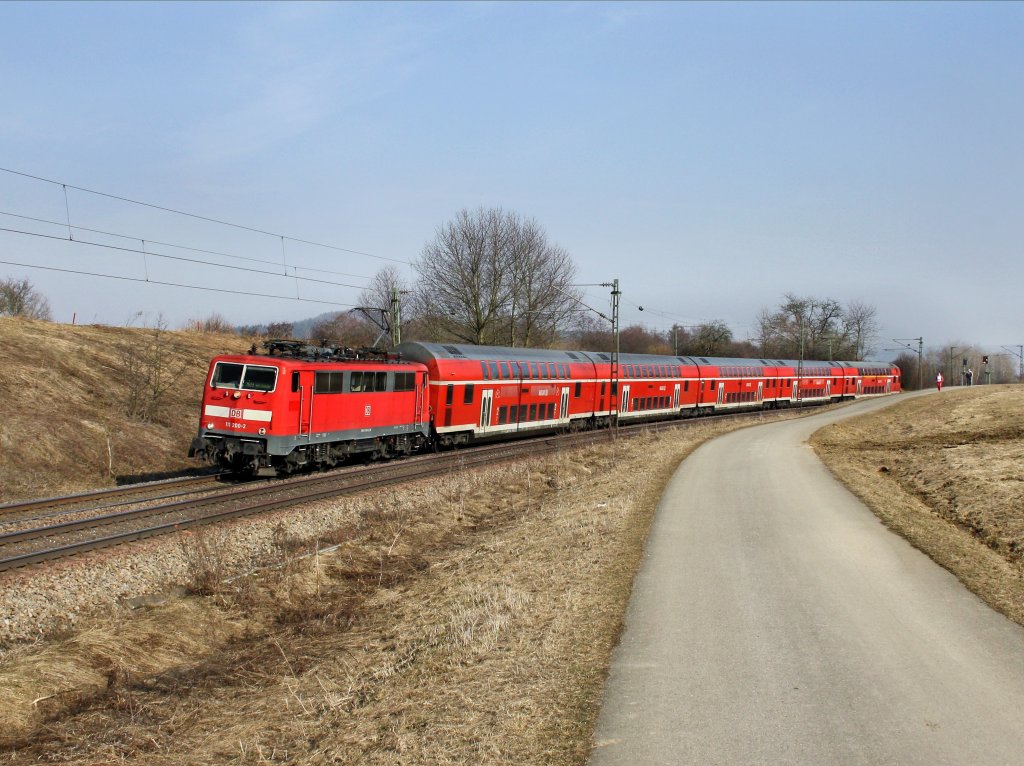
{"x": 615, "y": 350}
{"x": 800, "y": 365}
{"x": 920, "y": 356}
{"x": 1019, "y": 353}
{"x": 920, "y": 363}
{"x": 613, "y": 372}
{"x": 953, "y": 352}
{"x": 396, "y": 318}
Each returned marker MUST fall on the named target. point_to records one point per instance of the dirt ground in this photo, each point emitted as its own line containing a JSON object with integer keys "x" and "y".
{"x": 946, "y": 471}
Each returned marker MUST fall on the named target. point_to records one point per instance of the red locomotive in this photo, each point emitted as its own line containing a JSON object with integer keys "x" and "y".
{"x": 298, "y": 406}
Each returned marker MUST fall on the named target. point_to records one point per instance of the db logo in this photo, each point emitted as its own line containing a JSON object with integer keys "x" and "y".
{"x": 235, "y": 414}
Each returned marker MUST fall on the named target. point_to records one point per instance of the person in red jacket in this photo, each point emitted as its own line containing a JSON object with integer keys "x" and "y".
{"x": 938, "y": 381}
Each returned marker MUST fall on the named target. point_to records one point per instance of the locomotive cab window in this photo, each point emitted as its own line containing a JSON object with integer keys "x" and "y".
{"x": 247, "y": 377}
{"x": 259, "y": 378}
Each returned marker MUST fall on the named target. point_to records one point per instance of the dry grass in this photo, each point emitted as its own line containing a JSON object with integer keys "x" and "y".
{"x": 62, "y": 401}
{"x": 473, "y": 626}
{"x": 944, "y": 471}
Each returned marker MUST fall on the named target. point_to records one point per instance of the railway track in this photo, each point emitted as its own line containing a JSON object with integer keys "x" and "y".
{"x": 29, "y": 545}
{"x": 41, "y": 508}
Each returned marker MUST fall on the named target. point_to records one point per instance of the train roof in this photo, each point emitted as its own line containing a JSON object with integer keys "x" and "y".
{"x": 325, "y": 363}
{"x": 429, "y": 352}
{"x": 867, "y": 363}
{"x": 465, "y": 352}
{"x": 424, "y": 352}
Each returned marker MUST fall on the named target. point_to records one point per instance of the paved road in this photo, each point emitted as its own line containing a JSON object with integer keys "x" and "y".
{"x": 776, "y": 621}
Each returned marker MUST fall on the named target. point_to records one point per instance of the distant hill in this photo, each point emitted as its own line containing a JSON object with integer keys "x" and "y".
{"x": 304, "y": 327}
{"x": 301, "y": 329}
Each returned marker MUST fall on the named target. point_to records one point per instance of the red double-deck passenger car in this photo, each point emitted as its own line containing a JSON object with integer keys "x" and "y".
{"x": 479, "y": 392}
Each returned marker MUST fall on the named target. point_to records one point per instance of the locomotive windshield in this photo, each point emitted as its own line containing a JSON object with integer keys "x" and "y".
{"x": 248, "y": 377}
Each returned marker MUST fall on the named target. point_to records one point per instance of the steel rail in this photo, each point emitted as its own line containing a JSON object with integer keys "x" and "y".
{"x": 349, "y": 482}
{"x": 362, "y": 483}
{"x": 105, "y": 494}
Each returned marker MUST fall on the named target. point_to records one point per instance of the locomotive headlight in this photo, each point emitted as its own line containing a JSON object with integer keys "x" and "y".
{"x": 209, "y": 425}
{"x": 262, "y": 431}
{"x": 237, "y": 395}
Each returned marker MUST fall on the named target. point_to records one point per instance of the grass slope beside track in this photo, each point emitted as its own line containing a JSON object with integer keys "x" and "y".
{"x": 468, "y": 621}
{"x": 82, "y": 407}
{"x": 946, "y": 471}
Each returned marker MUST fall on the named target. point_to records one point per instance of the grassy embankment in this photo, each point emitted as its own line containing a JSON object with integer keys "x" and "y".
{"x": 945, "y": 472}
{"x": 81, "y": 406}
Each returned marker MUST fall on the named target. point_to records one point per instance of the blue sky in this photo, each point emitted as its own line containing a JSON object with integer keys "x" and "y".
{"x": 712, "y": 156}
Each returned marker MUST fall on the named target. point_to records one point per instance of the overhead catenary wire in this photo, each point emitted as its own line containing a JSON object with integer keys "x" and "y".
{"x": 175, "y": 284}
{"x": 190, "y": 248}
{"x": 176, "y": 257}
{"x": 208, "y": 219}
{"x": 686, "y": 323}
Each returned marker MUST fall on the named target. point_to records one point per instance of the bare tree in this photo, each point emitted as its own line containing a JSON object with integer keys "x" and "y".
{"x": 543, "y": 302}
{"x": 637, "y": 339}
{"x": 344, "y": 329}
{"x": 907, "y": 362}
{"x": 151, "y": 369}
{"x": 816, "y": 328}
{"x": 18, "y": 298}
{"x": 489, "y": 276}
{"x": 712, "y": 338}
{"x": 214, "y": 323}
{"x": 679, "y": 339}
{"x": 464, "y": 275}
{"x": 860, "y": 323}
{"x": 280, "y": 330}
{"x": 591, "y": 333}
